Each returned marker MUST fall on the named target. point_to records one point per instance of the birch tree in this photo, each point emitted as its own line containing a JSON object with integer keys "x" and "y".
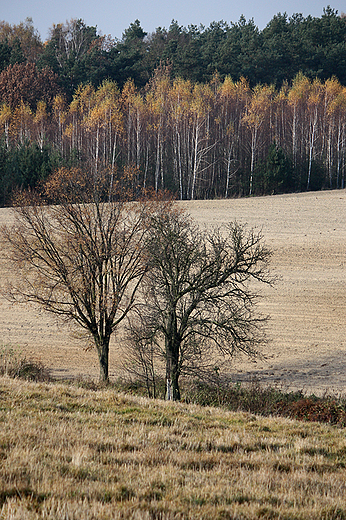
{"x": 5, "y": 121}
{"x": 59, "y": 115}
{"x": 179, "y": 103}
{"x": 233, "y": 98}
{"x": 40, "y": 123}
{"x": 255, "y": 118}
{"x": 201, "y": 140}
{"x": 297, "y": 97}
{"x": 313, "y": 106}
{"x": 156, "y": 100}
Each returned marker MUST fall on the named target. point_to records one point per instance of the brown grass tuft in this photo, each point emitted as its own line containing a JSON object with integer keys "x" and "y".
{"x": 13, "y": 364}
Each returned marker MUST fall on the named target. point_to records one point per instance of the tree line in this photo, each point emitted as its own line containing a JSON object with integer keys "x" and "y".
{"x": 198, "y": 140}
{"x": 78, "y": 53}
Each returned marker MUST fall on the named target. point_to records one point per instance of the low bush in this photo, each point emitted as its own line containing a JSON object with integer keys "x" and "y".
{"x": 268, "y": 401}
{"x": 14, "y": 364}
{"x": 254, "y": 398}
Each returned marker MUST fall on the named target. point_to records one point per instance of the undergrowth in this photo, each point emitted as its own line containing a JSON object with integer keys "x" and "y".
{"x": 254, "y": 398}
{"x": 269, "y": 401}
{"x": 14, "y": 364}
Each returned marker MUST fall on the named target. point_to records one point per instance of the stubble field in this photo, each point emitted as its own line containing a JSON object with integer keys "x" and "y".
{"x": 307, "y": 329}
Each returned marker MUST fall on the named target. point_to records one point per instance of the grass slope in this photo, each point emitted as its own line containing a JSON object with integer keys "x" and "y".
{"x": 68, "y": 452}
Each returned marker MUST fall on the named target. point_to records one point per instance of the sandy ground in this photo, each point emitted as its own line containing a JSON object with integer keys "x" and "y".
{"x": 307, "y": 330}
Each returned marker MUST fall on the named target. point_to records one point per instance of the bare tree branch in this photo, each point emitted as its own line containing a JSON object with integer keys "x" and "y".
{"x": 81, "y": 261}
{"x": 199, "y": 301}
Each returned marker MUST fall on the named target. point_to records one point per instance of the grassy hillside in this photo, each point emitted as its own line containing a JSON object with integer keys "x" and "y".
{"x": 67, "y": 452}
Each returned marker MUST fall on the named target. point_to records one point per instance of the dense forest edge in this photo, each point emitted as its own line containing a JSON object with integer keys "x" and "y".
{"x": 223, "y": 111}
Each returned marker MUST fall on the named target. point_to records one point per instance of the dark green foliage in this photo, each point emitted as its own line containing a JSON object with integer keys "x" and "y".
{"x": 127, "y": 57}
{"x": 298, "y": 178}
{"x": 24, "y": 166}
{"x": 287, "y": 45}
{"x": 16, "y": 53}
{"x": 5, "y": 55}
{"x": 274, "y": 173}
{"x": 318, "y": 178}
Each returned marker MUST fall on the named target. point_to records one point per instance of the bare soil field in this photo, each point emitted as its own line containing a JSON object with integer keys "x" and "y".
{"x": 307, "y": 305}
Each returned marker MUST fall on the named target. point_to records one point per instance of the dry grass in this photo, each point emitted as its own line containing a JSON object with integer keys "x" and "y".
{"x": 72, "y": 453}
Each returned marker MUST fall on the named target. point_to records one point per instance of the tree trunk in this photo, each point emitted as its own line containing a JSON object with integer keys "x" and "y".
{"x": 311, "y": 147}
{"x": 253, "y": 152}
{"x": 172, "y": 380}
{"x": 102, "y": 346}
{"x": 172, "y": 368}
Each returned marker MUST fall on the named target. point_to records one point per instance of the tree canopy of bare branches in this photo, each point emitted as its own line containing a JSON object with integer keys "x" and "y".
{"x": 199, "y": 307}
{"x": 81, "y": 261}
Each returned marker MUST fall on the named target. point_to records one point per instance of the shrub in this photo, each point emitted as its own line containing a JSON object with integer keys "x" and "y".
{"x": 13, "y": 364}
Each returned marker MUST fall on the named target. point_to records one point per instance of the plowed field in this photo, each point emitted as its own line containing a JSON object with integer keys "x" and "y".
{"x": 307, "y": 330}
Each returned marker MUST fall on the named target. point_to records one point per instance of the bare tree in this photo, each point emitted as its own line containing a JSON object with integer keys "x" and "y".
{"x": 199, "y": 305}
{"x": 81, "y": 260}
